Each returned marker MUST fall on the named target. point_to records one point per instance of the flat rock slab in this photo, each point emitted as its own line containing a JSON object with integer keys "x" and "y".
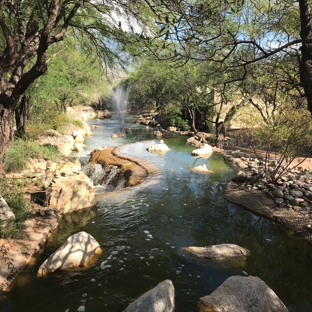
{"x": 242, "y": 294}
{"x": 218, "y": 252}
{"x": 135, "y": 170}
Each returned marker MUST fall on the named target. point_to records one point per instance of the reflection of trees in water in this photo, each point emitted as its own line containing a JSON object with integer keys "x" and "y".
{"x": 71, "y": 223}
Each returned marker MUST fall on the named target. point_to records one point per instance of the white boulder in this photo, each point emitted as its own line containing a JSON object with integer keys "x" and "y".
{"x": 69, "y": 193}
{"x": 242, "y": 294}
{"x": 159, "y": 148}
{"x": 78, "y": 136}
{"x": 65, "y": 148}
{"x": 206, "y": 150}
{"x": 77, "y": 251}
{"x": 78, "y": 147}
{"x": 5, "y": 211}
{"x": 158, "y": 299}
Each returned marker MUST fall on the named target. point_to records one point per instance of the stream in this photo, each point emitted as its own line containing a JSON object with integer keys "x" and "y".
{"x": 142, "y": 229}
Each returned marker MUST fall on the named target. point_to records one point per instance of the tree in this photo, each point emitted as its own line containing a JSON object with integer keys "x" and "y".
{"x": 236, "y": 34}
{"x": 30, "y": 27}
{"x": 165, "y": 86}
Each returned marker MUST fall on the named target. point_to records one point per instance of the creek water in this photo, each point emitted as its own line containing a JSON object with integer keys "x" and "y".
{"x": 142, "y": 229}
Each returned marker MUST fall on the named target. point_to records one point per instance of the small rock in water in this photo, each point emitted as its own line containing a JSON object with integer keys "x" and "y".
{"x": 84, "y": 295}
{"x": 245, "y": 273}
{"x": 81, "y": 309}
{"x": 103, "y": 267}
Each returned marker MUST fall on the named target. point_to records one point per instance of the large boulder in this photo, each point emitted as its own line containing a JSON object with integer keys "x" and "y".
{"x": 87, "y": 128}
{"x": 65, "y": 148}
{"x": 161, "y": 147}
{"x": 242, "y": 294}
{"x": 158, "y": 299}
{"x": 70, "y": 192}
{"x": 77, "y": 251}
{"x": 6, "y": 213}
{"x": 206, "y": 150}
{"x": 217, "y": 252}
{"x": 78, "y": 136}
{"x": 78, "y": 147}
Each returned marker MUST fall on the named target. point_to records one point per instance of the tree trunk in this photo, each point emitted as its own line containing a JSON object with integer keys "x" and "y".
{"x": 306, "y": 49}
{"x": 192, "y": 116}
{"x": 21, "y": 116}
{"x": 6, "y": 128}
{"x": 220, "y": 134}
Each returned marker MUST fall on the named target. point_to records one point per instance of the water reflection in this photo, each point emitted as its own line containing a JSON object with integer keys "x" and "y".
{"x": 142, "y": 229}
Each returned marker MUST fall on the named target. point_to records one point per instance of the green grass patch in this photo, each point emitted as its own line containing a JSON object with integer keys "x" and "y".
{"x": 43, "y": 123}
{"x": 19, "y": 152}
{"x": 12, "y": 191}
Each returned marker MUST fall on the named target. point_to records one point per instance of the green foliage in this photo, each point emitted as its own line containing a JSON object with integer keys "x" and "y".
{"x": 12, "y": 191}
{"x": 44, "y": 120}
{"x": 172, "y": 116}
{"x": 290, "y": 135}
{"x": 19, "y": 152}
{"x": 161, "y": 85}
{"x": 71, "y": 79}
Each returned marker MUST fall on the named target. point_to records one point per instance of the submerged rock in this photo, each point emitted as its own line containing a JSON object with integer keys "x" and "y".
{"x": 203, "y": 169}
{"x": 158, "y": 299}
{"x": 77, "y": 251}
{"x": 219, "y": 252}
{"x": 242, "y": 294}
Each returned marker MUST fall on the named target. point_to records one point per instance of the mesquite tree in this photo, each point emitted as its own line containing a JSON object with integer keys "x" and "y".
{"x": 235, "y": 34}
{"x": 29, "y": 27}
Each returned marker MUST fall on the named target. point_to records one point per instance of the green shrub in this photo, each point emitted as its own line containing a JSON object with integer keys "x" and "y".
{"x": 173, "y": 116}
{"x": 41, "y": 124}
{"x": 12, "y": 191}
{"x": 290, "y": 135}
{"x": 19, "y": 151}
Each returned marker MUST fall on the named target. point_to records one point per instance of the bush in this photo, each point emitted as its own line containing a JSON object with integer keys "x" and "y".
{"x": 172, "y": 116}
{"x": 19, "y": 151}
{"x": 290, "y": 135}
{"x": 41, "y": 124}
{"x": 12, "y": 191}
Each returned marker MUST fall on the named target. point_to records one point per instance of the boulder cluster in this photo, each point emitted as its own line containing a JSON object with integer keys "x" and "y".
{"x": 292, "y": 190}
